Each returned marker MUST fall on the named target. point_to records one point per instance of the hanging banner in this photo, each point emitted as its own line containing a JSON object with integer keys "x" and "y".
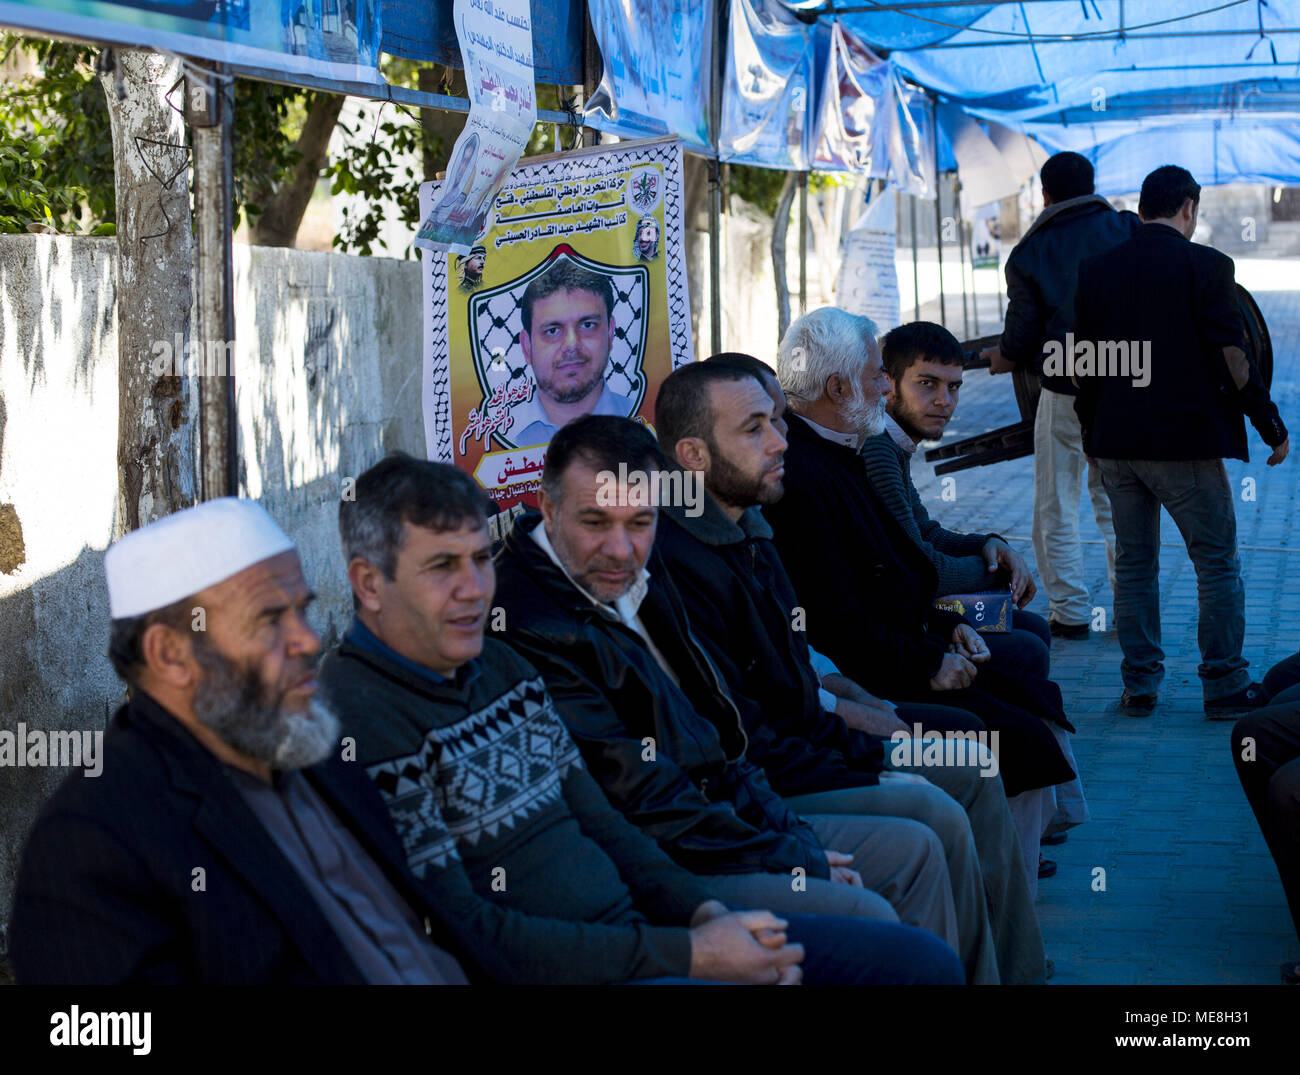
{"x": 575, "y": 302}
{"x": 902, "y": 149}
{"x": 868, "y": 280}
{"x": 338, "y": 40}
{"x": 986, "y": 237}
{"x": 496, "y": 42}
{"x": 855, "y": 83}
{"x": 656, "y": 60}
{"x": 768, "y": 87}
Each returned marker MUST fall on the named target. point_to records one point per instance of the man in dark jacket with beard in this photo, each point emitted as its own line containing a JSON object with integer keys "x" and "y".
{"x": 717, "y": 420}
{"x": 867, "y": 588}
{"x": 1041, "y": 275}
{"x": 585, "y": 602}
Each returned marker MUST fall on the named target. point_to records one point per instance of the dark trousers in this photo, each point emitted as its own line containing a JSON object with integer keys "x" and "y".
{"x": 1198, "y": 497}
{"x": 1024, "y": 652}
{"x": 857, "y": 951}
{"x": 1269, "y": 770}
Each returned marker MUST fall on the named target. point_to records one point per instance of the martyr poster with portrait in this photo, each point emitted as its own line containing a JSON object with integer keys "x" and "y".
{"x": 573, "y": 301}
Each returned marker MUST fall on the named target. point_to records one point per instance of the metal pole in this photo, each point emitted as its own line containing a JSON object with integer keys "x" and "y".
{"x": 916, "y": 277}
{"x": 938, "y": 246}
{"x": 969, "y": 239}
{"x": 803, "y": 242}
{"x": 715, "y": 185}
{"x": 591, "y": 70}
{"x": 961, "y": 245}
{"x": 210, "y": 110}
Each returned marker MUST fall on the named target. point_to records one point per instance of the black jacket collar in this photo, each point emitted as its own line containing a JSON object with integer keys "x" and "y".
{"x": 713, "y": 526}
{"x": 1071, "y": 207}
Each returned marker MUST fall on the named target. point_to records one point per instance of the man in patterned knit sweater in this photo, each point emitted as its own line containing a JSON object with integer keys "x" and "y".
{"x": 514, "y": 842}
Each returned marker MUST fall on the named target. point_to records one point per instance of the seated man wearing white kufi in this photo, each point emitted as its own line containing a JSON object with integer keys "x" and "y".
{"x": 229, "y": 838}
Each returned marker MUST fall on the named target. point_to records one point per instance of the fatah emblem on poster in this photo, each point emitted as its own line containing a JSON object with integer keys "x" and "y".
{"x": 574, "y": 302}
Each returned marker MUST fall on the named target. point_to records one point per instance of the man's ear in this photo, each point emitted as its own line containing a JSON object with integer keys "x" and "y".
{"x": 365, "y": 578}
{"x": 834, "y": 387}
{"x": 548, "y": 507}
{"x": 525, "y": 341}
{"x": 692, "y": 453}
{"x": 168, "y": 653}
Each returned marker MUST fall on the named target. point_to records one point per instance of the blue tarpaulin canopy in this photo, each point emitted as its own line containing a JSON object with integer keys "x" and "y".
{"x": 1211, "y": 84}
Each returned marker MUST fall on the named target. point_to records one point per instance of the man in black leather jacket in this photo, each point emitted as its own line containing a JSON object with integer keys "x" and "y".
{"x": 1042, "y": 272}
{"x": 651, "y": 714}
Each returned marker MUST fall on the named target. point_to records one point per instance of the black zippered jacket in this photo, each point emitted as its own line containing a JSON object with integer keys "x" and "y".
{"x": 1042, "y": 272}
{"x": 743, "y": 606}
{"x": 671, "y": 758}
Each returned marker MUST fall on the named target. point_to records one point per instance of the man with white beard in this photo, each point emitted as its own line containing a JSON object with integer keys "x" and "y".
{"x": 229, "y": 839}
{"x": 866, "y": 590}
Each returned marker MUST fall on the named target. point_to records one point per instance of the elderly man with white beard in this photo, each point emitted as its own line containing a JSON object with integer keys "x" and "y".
{"x": 866, "y": 589}
{"x": 229, "y": 839}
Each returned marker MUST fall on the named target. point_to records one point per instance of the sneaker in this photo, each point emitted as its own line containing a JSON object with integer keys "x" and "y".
{"x": 1046, "y": 867}
{"x": 1072, "y": 632}
{"x": 1137, "y": 705}
{"x": 1234, "y": 705}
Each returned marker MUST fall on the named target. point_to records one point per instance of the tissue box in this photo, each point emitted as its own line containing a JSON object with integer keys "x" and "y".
{"x": 986, "y": 612}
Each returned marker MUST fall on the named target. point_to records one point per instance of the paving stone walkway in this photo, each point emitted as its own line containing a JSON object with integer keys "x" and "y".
{"x": 1191, "y": 895}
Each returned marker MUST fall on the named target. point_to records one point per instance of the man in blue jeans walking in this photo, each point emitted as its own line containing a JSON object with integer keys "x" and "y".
{"x": 1164, "y": 380}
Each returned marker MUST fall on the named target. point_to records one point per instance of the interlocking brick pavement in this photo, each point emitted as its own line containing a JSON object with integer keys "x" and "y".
{"x": 1191, "y": 894}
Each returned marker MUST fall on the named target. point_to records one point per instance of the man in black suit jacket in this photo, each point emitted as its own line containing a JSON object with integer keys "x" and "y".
{"x": 1164, "y": 381}
{"x": 228, "y": 838}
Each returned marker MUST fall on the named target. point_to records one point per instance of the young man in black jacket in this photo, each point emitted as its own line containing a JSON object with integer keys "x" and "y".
{"x": 1164, "y": 381}
{"x": 584, "y": 599}
{"x": 504, "y": 827}
{"x": 717, "y": 419}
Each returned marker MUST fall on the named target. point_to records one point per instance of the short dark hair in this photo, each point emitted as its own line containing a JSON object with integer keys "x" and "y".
{"x": 565, "y": 275}
{"x": 126, "y": 637}
{"x": 602, "y": 441}
{"x": 1066, "y": 175}
{"x": 741, "y": 361}
{"x": 683, "y": 408}
{"x": 1165, "y": 190}
{"x": 906, "y": 345}
{"x": 402, "y": 489}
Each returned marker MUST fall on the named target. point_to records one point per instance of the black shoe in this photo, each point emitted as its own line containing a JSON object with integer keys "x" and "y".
{"x": 1073, "y": 632}
{"x": 1137, "y": 705}
{"x": 1234, "y": 705}
{"x": 1055, "y": 839}
{"x": 1046, "y": 868}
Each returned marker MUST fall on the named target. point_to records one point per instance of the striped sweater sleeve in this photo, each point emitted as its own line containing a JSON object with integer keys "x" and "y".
{"x": 956, "y": 557}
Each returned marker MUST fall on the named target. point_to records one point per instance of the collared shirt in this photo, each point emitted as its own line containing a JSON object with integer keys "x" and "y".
{"x": 373, "y": 922}
{"x": 625, "y": 608}
{"x": 532, "y": 425}
{"x": 900, "y": 438}
{"x": 849, "y": 440}
{"x": 359, "y": 635}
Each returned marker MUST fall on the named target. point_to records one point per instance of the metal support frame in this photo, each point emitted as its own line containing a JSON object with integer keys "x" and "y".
{"x": 212, "y": 130}
{"x": 916, "y": 275}
{"x": 803, "y": 243}
{"x": 715, "y": 184}
{"x": 938, "y": 244}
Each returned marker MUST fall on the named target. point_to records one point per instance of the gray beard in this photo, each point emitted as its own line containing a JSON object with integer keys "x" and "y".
{"x": 864, "y": 419}
{"x": 230, "y": 702}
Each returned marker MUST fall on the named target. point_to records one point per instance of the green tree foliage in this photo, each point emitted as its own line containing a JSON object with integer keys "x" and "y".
{"x": 56, "y": 156}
